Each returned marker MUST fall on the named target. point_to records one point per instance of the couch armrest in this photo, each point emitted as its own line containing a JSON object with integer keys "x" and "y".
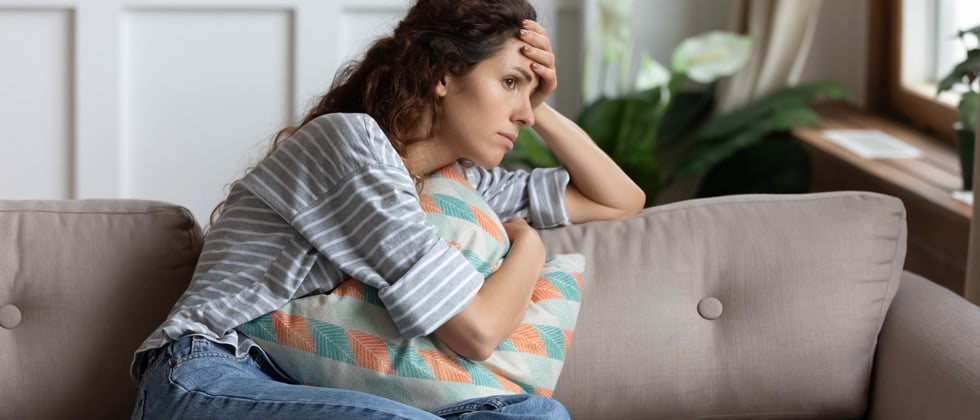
{"x": 928, "y": 360}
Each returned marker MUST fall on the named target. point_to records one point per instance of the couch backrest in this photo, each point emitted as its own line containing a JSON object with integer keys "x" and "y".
{"x": 82, "y": 283}
{"x": 758, "y": 306}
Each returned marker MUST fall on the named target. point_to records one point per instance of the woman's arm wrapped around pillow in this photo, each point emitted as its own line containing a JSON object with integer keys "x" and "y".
{"x": 346, "y": 339}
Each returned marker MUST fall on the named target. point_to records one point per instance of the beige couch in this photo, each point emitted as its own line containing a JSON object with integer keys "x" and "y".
{"x": 735, "y": 307}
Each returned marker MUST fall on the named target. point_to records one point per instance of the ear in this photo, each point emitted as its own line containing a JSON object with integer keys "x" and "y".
{"x": 442, "y": 87}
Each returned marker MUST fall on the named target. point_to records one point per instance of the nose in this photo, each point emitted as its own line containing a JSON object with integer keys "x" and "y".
{"x": 524, "y": 114}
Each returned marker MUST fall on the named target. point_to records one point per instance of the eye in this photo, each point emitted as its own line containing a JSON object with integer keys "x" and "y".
{"x": 510, "y": 82}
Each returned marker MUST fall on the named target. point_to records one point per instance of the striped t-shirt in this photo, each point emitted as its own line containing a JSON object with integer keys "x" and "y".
{"x": 335, "y": 201}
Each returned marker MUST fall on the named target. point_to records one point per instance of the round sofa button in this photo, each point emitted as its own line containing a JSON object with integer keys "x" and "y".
{"x": 709, "y": 308}
{"x": 10, "y": 317}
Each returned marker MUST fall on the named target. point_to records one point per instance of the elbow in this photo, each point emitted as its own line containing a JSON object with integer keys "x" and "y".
{"x": 633, "y": 206}
{"x": 478, "y": 345}
{"x": 467, "y": 338}
{"x": 473, "y": 347}
{"x": 479, "y": 353}
{"x": 638, "y": 203}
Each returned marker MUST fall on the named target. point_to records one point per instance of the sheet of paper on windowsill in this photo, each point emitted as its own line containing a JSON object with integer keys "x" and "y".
{"x": 872, "y": 144}
{"x": 964, "y": 196}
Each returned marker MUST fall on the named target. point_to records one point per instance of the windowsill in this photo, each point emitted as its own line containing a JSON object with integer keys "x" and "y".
{"x": 949, "y": 98}
{"x": 933, "y": 177}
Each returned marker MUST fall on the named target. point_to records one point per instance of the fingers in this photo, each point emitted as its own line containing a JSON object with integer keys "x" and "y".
{"x": 514, "y": 226}
{"x": 515, "y": 222}
{"x": 545, "y": 57}
{"x": 535, "y": 35}
{"x": 538, "y": 49}
{"x": 547, "y": 78}
{"x": 519, "y": 231}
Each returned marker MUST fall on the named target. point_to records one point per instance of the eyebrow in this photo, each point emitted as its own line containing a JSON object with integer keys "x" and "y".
{"x": 523, "y": 73}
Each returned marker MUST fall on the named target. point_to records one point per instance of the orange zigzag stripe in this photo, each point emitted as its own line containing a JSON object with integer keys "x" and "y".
{"x": 543, "y": 391}
{"x": 370, "y": 352}
{"x": 507, "y": 384}
{"x": 450, "y": 173}
{"x": 544, "y": 290}
{"x": 487, "y": 224}
{"x": 428, "y": 205}
{"x": 527, "y": 340}
{"x": 351, "y": 288}
{"x": 292, "y": 331}
{"x": 444, "y": 367}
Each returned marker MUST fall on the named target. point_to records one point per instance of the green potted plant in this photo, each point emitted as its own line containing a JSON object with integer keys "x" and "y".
{"x": 650, "y": 110}
{"x": 965, "y": 76}
{"x": 661, "y": 133}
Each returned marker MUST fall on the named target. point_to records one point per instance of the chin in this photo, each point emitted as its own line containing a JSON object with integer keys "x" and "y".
{"x": 493, "y": 163}
{"x": 486, "y": 162}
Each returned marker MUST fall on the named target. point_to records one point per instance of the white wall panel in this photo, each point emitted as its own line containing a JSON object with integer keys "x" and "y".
{"x": 203, "y": 91}
{"x": 172, "y": 99}
{"x": 361, "y": 26}
{"x": 35, "y": 103}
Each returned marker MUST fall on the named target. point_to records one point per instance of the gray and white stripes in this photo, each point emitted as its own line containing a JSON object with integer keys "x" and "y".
{"x": 333, "y": 202}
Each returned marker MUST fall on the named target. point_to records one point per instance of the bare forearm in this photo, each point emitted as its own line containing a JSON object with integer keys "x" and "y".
{"x": 593, "y": 173}
{"x": 499, "y": 306}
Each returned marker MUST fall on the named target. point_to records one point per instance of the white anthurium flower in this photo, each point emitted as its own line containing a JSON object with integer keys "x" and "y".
{"x": 709, "y": 56}
{"x": 651, "y": 74}
{"x": 615, "y": 25}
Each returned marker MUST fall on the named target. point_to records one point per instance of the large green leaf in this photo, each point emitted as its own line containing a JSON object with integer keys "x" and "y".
{"x": 530, "y": 151}
{"x": 706, "y": 155}
{"x": 791, "y": 97}
{"x": 964, "y": 72}
{"x": 601, "y": 120}
{"x": 686, "y": 112}
{"x": 775, "y": 165}
{"x": 619, "y": 125}
{"x": 639, "y": 124}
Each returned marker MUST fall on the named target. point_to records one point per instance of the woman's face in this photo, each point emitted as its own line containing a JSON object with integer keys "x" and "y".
{"x": 483, "y": 111}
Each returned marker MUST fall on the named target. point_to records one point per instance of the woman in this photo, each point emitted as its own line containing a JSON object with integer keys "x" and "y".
{"x": 337, "y": 197}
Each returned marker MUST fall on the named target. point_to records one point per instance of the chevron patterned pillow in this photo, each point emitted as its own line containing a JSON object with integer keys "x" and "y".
{"x": 346, "y": 339}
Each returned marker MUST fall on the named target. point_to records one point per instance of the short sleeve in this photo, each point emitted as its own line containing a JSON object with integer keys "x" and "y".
{"x": 342, "y": 186}
{"x": 537, "y": 195}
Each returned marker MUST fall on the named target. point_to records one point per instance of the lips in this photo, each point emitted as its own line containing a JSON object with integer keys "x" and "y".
{"x": 508, "y": 139}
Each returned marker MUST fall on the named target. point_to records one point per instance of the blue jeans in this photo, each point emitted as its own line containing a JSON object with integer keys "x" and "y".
{"x": 195, "y": 378}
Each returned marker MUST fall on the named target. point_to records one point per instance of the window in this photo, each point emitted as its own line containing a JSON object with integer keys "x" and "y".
{"x": 914, "y": 44}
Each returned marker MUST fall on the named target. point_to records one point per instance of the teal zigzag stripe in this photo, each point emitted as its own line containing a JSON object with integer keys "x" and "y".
{"x": 260, "y": 328}
{"x": 506, "y": 345}
{"x": 480, "y": 375}
{"x": 407, "y": 362}
{"x": 371, "y": 295}
{"x": 554, "y": 341}
{"x": 453, "y": 207}
{"x": 482, "y": 266}
{"x": 565, "y": 284}
{"x": 331, "y": 341}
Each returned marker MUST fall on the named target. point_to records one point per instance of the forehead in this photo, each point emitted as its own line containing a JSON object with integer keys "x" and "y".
{"x": 509, "y": 57}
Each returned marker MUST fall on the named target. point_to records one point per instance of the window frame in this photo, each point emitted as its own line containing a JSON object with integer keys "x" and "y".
{"x": 885, "y": 94}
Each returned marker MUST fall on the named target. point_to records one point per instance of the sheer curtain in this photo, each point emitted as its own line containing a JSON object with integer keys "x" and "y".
{"x": 972, "y": 288}
{"x": 782, "y": 31}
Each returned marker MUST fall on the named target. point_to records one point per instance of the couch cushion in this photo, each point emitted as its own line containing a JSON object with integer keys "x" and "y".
{"x": 88, "y": 280}
{"x": 753, "y": 306}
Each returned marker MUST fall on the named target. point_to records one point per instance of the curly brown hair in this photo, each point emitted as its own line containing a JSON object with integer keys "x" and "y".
{"x": 395, "y": 81}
